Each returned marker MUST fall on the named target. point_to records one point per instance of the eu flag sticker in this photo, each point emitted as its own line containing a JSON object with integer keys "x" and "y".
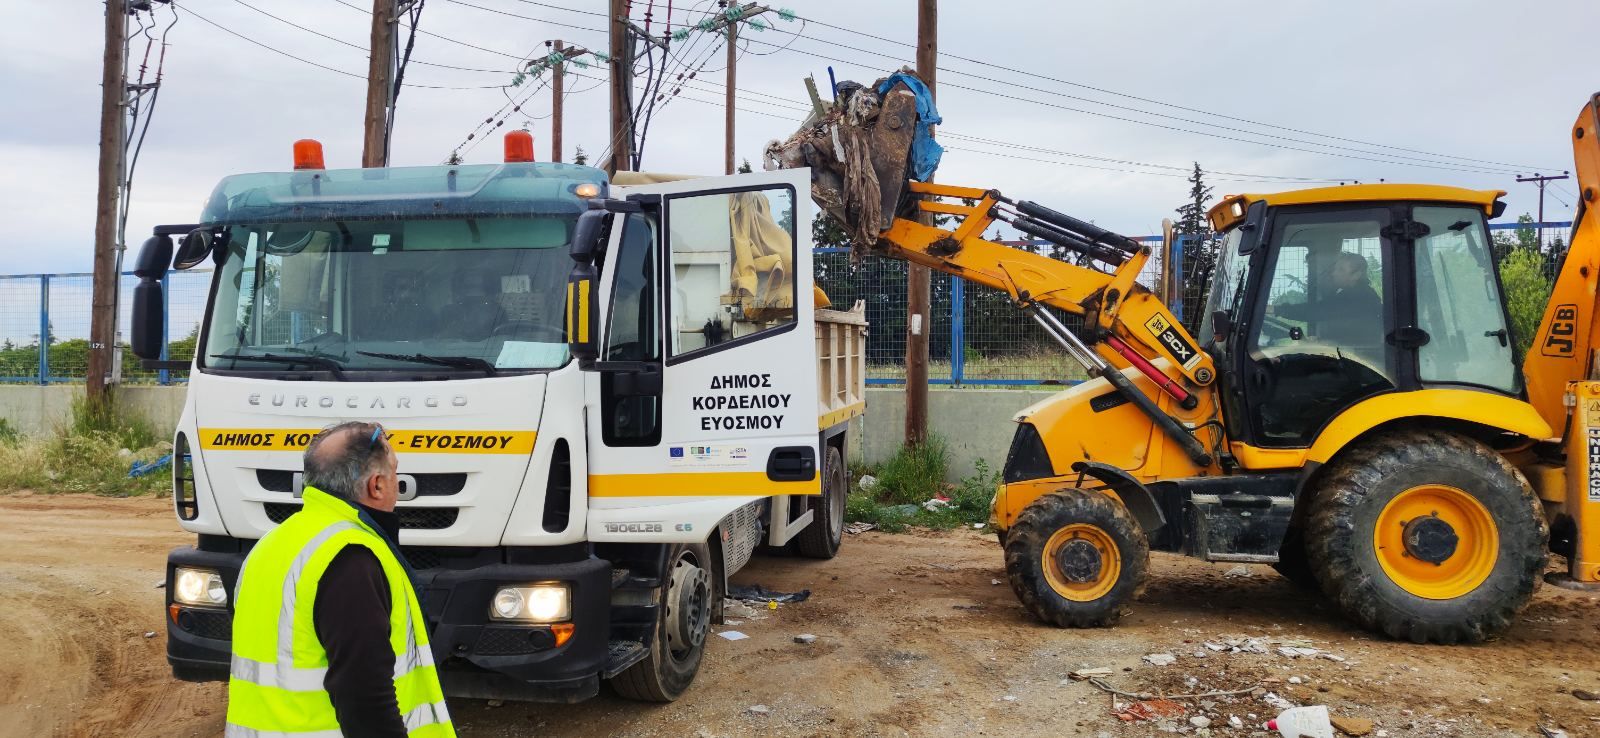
{"x": 677, "y": 452}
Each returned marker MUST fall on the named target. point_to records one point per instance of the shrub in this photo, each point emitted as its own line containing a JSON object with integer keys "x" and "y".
{"x": 914, "y": 474}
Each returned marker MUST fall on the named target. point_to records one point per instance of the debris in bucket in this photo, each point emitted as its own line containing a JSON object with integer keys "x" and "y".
{"x": 758, "y": 593}
{"x": 1155, "y": 709}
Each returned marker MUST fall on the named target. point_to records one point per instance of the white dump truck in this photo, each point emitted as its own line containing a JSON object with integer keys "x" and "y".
{"x": 604, "y": 399}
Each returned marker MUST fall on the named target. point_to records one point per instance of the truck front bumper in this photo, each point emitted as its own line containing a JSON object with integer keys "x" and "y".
{"x": 477, "y": 658}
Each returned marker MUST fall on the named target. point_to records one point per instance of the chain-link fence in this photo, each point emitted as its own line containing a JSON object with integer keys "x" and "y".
{"x": 976, "y": 336}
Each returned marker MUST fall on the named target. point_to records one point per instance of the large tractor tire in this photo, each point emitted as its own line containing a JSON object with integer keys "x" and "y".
{"x": 683, "y": 622}
{"x": 821, "y": 539}
{"x": 1077, "y": 559}
{"x": 1427, "y": 536}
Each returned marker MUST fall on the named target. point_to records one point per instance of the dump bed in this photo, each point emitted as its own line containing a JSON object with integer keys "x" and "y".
{"x": 841, "y": 364}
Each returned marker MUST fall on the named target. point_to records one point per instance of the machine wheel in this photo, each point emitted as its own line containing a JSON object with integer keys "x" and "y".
{"x": 1293, "y": 563}
{"x": 821, "y": 539}
{"x": 682, "y": 626}
{"x": 1076, "y": 558}
{"x": 1427, "y": 536}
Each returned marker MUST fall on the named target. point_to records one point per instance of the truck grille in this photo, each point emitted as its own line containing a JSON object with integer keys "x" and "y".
{"x": 428, "y": 485}
{"x": 413, "y": 518}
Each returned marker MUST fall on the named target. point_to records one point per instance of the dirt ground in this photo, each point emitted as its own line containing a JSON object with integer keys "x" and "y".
{"x": 914, "y": 637}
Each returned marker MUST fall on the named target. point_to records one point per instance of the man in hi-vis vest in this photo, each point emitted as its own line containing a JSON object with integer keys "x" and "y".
{"x": 328, "y": 633}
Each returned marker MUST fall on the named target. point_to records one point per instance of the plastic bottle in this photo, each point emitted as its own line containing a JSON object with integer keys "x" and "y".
{"x": 1303, "y": 722}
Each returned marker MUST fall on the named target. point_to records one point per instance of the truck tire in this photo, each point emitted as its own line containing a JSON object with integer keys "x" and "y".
{"x": 821, "y": 539}
{"x": 1427, "y": 536}
{"x": 1077, "y": 559}
{"x": 683, "y": 623}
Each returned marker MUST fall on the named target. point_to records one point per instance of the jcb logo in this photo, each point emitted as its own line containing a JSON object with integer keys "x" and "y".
{"x": 1167, "y": 335}
{"x": 1561, "y": 341}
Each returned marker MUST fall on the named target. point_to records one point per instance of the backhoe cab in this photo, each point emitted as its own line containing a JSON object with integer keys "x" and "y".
{"x": 1350, "y": 410}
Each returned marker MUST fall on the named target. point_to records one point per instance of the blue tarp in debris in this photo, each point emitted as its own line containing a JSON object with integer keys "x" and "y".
{"x": 925, "y": 151}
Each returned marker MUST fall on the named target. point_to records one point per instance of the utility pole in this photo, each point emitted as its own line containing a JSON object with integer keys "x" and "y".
{"x": 380, "y": 84}
{"x": 918, "y": 298}
{"x": 103, "y": 315}
{"x": 621, "y": 90}
{"x": 557, "y": 94}
{"x": 1541, "y": 179}
{"x": 733, "y": 59}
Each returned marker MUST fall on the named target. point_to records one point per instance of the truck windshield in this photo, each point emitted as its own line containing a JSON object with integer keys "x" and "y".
{"x": 472, "y": 295}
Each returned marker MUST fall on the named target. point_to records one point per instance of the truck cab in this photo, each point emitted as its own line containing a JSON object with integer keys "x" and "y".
{"x": 603, "y": 398}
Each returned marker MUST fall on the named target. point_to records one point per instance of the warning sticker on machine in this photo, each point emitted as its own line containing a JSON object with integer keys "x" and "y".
{"x": 402, "y": 441}
{"x": 1594, "y": 464}
{"x": 1168, "y": 335}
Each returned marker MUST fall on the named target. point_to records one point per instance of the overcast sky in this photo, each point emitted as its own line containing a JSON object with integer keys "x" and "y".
{"x": 1490, "y": 81}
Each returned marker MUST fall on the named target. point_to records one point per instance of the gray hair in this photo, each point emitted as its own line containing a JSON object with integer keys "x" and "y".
{"x": 343, "y": 468}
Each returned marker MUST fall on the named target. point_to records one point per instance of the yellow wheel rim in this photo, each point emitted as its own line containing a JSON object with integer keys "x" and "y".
{"x": 1076, "y": 586}
{"x": 1435, "y": 570}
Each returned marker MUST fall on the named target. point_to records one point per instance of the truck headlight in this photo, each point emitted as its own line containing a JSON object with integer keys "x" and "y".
{"x": 198, "y": 587}
{"x": 538, "y": 603}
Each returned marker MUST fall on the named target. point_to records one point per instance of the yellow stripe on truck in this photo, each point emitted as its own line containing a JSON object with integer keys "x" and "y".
{"x": 402, "y": 441}
{"x": 697, "y": 484}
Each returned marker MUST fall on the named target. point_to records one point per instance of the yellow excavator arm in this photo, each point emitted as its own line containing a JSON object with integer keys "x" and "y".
{"x": 1563, "y": 348}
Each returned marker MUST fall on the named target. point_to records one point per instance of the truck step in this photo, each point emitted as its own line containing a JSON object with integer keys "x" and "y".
{"x": 621, "y": 655}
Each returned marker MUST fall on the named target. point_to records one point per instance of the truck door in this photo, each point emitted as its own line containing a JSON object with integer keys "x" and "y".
{"x": 705, "y": 394}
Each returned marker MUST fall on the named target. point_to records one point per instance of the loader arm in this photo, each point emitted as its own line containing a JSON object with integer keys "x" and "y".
{"x": 1125, "y": 325}
{"x": 1563, "y": 348}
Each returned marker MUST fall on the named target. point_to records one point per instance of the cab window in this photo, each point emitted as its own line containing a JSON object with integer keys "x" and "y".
{"x": 732, "y": 273}
{"x": 1458, "y": 303}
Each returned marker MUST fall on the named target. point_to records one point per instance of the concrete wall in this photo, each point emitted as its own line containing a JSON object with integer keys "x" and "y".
{"x": 38, "y": 409}
{"x": 974, "y": 423}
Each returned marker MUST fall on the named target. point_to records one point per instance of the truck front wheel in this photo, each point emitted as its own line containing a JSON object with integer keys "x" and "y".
{"x": 683, "y": 622}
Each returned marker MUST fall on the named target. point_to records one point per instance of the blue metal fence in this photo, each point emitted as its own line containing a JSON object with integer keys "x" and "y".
{"x": 975, "y": 338}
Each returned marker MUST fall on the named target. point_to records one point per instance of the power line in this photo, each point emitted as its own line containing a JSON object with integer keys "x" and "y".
{"x": 527, "y": 17}
{"x": 303, "y": 60}
{"x": 364, "y": 49}
{"x": 438, "y": 36}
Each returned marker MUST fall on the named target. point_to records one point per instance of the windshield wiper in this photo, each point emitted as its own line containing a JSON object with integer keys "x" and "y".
{"x": 459, "y": 362}
{"x": 320, "y": 360}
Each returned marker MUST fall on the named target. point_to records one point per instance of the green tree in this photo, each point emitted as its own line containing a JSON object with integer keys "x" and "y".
{"x": 744, "y": 168}
{"x": 1199, "y": 249}
{"x": 1527, "y": 290}
{"x": 579, "y": 156}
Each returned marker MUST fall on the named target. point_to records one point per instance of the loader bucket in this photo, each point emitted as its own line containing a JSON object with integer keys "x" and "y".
{"x": 859, "y": 150}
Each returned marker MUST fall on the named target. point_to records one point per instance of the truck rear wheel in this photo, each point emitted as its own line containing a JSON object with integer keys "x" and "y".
{"x": 1076, "y": 558}
{"x": 1427, "y": 536}
{"x": 683, "y": 622}
{"x": 821, "y": 539}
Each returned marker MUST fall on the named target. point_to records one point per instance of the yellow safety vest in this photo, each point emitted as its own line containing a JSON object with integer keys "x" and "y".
{"x": 276, "y": 685}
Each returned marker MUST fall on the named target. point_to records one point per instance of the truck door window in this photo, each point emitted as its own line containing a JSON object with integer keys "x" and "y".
{"x": 633, "y": 334}
{"x": 1458, "y": 303}
{"x": 732, "y": 266}
{"x": 1318, "y": 345}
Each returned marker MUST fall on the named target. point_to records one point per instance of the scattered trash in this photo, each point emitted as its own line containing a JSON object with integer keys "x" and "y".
{"x": 1296, "y": 680}
{"x": 1351, "y": 726}
{"x": 1214, "y": 646}
{"x": 735, "y": 608}
{"x": 1155, "y": 709}
{"x": 1010, "y": 698}
{"x": 1303, "y": 722}
{"x": 1200, "y": 721}
{"x": 139, "y": 470}
{"x": 805, "y": 638}
{"x": 1235, "y": 722}
{"x": 1160, "y": 659}
{"x": 759, "y": 710}
{"x": 1295, "y": 652}
{"x": 1238, "y": 572}
{"x": 867, "y": 482}
{"x": 1096, "y": 673}
{"x": 1552, "y": 732}
{"x": 994, "y": 581}
{"x": 1585, "y": 695}
{"x": 936, "y": 504}
{"x": 1273, "y": 700}
{"x": 495, "y": 703}
{"x": 149, "y": 634}
{"x": 978, "y": 526}
{"x": 733, "y": 635}
{"x": 161, "y": 584}
{"x": 904, "y": 511}
{"x": 859, "y": 528}
{"x": 758, "y": 593}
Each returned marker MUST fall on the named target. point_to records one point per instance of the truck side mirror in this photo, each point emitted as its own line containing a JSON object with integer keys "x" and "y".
{"x": 155, "y": 257}
{"x": 582, "y": 318}
{"x": 194, "y": 250}
{"x": 586, "y": 235}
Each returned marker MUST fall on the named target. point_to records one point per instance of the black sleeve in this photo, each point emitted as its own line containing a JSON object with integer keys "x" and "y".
{"x": 351, "y": 616}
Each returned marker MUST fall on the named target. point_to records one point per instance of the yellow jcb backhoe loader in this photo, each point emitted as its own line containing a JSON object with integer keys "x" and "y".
{"x": 1350, "y": 411}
